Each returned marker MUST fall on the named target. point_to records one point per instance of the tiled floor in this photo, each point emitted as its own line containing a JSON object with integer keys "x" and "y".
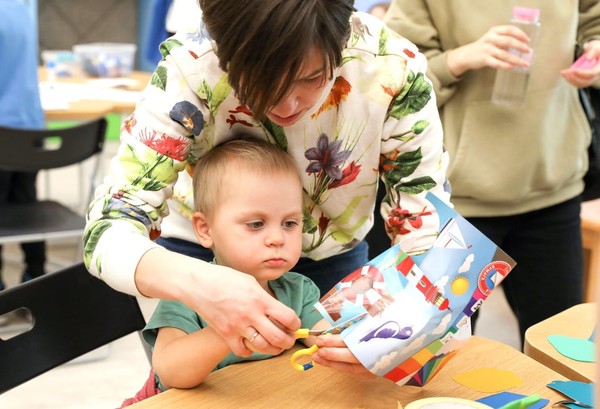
{"x": 107, "y": 376}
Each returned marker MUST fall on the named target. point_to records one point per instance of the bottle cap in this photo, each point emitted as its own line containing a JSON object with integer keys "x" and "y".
{"x": 526, "y": 14}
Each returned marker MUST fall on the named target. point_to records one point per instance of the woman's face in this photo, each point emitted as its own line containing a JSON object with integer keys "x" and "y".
{"x": 304, "y": 92}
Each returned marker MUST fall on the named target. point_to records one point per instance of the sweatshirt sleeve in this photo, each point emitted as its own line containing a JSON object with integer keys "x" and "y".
{"x": 131, "y": 203}
{"x": 412, "y": 20}
{"x": 413, "y": 159}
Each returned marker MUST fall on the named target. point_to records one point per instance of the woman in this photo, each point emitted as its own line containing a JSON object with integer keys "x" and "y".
{"x": 343, "y": 95}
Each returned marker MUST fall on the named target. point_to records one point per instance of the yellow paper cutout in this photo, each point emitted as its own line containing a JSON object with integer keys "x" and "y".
{"x": 488, "y": 380}
{"x": 444, "y": 403}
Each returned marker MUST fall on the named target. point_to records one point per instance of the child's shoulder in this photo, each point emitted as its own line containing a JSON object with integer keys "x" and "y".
{"x": 296, "y": 279}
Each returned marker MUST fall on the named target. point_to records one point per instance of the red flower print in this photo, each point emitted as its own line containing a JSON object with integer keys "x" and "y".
{"x": 392, "y": 92}
{"x": 323, "y": 223}
{"x": 339, "y": 92}
{"x": 232, "y": 120}
{"x": 170, "y": 146}
{"x": 241, "y": 109}
{"x": 349, "y": 173}
{"x": 129, "y": 123}
{"x": 409, "y": 53}
{"x": 395, "y": 223}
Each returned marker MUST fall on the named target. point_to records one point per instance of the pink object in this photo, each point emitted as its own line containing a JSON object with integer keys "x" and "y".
{"x": 585, "y": 63}
{"x": 526, "y": 14}
{"x": 149, "y": 389}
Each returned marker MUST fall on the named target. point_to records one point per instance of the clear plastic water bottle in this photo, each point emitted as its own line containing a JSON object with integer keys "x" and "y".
{"x": 510, "y": 86}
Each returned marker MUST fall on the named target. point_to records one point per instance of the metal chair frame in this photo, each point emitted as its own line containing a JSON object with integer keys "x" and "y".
{"x": 72, "y": 313}
{"x": 29, "y": 150}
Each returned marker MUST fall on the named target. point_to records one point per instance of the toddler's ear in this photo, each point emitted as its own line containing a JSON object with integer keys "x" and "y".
{"x": 202, "y": 229}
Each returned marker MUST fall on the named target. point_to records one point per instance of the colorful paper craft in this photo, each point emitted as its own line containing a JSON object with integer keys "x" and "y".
{"x": 578, "y": 349}
{"x": 488, "y": 379}
{"x": 418, "y": 307}
{"x": 500, "y": 399}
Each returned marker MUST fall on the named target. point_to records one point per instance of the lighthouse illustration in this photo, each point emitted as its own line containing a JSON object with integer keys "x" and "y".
{"x": 449, "y": 237}
{"x": 415, "y": 275}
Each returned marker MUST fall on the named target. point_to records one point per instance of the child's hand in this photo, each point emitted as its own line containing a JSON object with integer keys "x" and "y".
{"x": 335, "y": 354}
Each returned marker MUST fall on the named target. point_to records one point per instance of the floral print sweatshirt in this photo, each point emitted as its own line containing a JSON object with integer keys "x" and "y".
{"x": 377, "y": 117}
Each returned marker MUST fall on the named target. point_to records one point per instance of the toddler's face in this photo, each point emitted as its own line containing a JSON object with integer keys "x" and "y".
{"x": 257, "y": 225}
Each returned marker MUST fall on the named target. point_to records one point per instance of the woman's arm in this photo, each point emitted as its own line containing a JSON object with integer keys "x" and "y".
{"x": 231, "y": 302}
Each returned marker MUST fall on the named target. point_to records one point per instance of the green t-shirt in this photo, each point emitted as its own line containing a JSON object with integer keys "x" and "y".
{"x": 292, "y": 289}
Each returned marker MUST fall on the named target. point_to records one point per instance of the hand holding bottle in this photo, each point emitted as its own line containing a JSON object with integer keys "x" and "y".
{"x": 491, "y": 50}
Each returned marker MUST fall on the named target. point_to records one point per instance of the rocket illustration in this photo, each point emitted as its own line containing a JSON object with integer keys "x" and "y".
{"x": 415, "y": 275}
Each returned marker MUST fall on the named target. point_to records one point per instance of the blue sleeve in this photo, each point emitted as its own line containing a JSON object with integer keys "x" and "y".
{"x": 157, "y": 31}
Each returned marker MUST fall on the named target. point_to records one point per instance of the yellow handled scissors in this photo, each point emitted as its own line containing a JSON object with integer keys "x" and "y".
{"x": 305, "y": 333}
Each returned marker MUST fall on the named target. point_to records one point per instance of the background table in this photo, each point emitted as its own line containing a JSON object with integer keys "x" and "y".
{"x": 577, "y": 321}
{"x": 273, "y": 383}
{"x": 590, "y": 229}
{"x": 89, "y": 105}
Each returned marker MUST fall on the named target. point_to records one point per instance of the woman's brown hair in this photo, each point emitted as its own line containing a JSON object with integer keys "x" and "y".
{"x": 262, "y": 44}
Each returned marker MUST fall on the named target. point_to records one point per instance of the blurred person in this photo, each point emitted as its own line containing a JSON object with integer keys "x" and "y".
{"x": 516, "y": 172}
{"x": 20, "y": 107}
{"x": 379, "y": 9}
{"x": 341, "y": 93}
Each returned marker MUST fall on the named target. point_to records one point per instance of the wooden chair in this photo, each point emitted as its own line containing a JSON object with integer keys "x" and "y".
{"x": 71, "y": 313}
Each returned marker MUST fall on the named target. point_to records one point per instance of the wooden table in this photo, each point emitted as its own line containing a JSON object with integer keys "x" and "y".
{"x": 85, "y": 108}
{"x": 577, "y": 321}
{"x": 274, "y": 384}
{"x": 590, "y": 229}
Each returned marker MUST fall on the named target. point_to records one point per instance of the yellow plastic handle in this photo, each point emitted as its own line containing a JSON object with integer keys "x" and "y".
{"x": 301, "y": 353}
{"x": 302, "y": 333}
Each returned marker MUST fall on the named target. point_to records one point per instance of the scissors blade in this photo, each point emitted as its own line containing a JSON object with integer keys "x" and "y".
{"x": 337, "y": 329}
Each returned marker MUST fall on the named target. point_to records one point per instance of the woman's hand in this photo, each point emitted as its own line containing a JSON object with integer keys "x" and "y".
{"x": 491, "y": 50}
{"x": 335, "y": 354}
{"x": 582, "y": 77}
{"x": 233, "y": 303}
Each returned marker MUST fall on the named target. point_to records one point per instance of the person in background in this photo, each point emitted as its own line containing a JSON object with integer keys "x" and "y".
{"x": 516, "y": 172}
{"x": 166, "y": 18}
{"x": 20, "y": 107}
{"x": 249, "y": 212}
{"x": 342, "y": 94}
{"x": 379, "y": 9}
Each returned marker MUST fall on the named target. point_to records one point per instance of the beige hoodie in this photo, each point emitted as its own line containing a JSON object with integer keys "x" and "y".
{"x": 506, "y": 161}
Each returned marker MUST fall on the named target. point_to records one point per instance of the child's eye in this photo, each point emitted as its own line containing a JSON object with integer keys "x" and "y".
{"x": 288, "y": 224}
{"x": 255, "y": 224}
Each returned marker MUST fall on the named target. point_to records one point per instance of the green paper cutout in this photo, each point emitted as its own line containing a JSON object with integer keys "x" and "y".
{"x": 577, "y": 349}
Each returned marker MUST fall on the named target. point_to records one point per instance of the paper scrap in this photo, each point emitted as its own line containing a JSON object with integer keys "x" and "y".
{"x": 445, "y": 403}
{"x": 488, "y": 379}
{"x": 500, "y": 399}
{"x": 579, "y": 391}
{"x": 577, "y": 349}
